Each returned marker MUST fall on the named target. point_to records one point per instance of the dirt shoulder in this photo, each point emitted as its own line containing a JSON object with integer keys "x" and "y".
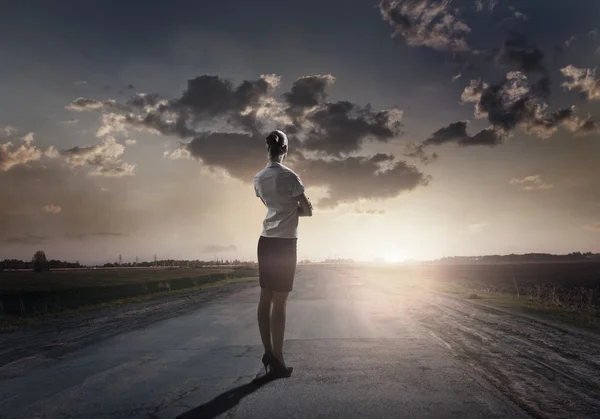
{"x": 548, "y": 370}
{"x": 54, "y": 338}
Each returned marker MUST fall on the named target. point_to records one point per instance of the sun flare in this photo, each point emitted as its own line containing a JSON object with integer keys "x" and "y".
{"x": 395, "y": 258}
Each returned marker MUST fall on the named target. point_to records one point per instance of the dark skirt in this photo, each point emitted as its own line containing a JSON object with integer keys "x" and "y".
{"x": 276, "y": 263}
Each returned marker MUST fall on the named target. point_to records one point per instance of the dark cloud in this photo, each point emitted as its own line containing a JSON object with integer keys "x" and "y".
{"x": 347, "y": 180}
{"x": 211, "y": 107}
{"x": 335, "y": 128}
{"x": 307, "y": 92}
{"x": 516, "y": 53}
{"x": 418, "y": 151}
{"x": 427, "y": 23}
{"x": 85, "y": 236}
{"x": 342, "y": 127}
{"x": 241, "y": 155}
{"x": 513, "y": 103}
{"x": 219, "y": 249}
{"x": 509, "y": 105}
{"x": 457, "y": 133}
{"x": 354, "y": 178}
{"x": 542, "y": 87}
{"x": 142, "y": 100}
{"x": 28, "y": 239}
{"x": 209, "y": 97}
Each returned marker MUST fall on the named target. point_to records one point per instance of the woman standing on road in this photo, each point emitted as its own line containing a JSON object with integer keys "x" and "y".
{"x": 282, "y": 192}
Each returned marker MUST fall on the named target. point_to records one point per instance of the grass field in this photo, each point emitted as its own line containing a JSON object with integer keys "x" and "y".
{"x": 11, "y": 321}
{"x": 81, "y": 278}
{"x": 30, "y": 293}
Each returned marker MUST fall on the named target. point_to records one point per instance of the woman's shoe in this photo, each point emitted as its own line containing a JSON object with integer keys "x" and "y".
{"x": 267, "y": 360}
{"x": 278, "y": 370}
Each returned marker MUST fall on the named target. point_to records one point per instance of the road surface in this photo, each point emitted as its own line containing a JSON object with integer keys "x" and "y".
{"x": 362, "y": 345}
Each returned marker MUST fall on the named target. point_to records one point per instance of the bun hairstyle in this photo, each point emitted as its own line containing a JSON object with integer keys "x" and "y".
{"x": 277, "y": 143}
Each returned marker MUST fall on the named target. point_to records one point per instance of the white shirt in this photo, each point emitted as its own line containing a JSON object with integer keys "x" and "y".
{"x": 279, "y": 187}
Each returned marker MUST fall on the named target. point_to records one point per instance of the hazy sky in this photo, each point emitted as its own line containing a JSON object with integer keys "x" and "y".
{"x": 420, "y": 128}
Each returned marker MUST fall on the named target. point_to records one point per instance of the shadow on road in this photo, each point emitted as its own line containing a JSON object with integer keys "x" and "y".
{"x": 225, "y": 401}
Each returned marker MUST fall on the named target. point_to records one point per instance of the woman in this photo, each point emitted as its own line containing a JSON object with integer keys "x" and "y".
{"x": 282, "y": 192}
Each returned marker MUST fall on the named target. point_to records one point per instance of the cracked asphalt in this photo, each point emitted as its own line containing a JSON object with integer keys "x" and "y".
{"x": 358, "y": 349}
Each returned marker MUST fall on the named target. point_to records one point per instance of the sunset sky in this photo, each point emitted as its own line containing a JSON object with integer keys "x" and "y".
{"x": 420, "y": 128}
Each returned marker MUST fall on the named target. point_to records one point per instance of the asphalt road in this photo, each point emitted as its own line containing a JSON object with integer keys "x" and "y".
{"x": 357, "y": 350}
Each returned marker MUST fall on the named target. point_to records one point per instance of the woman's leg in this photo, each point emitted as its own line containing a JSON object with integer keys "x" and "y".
{"x": 264, "y": 318}
{"x": 278, "y": 323}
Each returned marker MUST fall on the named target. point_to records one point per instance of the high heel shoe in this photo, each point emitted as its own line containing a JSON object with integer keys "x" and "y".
{"x": 267, "y": 360}
{"x": 278, "y": 370}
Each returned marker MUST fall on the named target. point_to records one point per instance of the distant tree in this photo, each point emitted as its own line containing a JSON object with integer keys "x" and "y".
{"x": 40, "y": 263}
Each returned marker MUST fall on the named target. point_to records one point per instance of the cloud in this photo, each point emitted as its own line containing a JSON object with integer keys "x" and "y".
{"x": 477, "y": 228}
{"x": 346, "y": 179}
{"x": 427, "y": 23}
{"x": 531, "y": 183}
{"x": 361, "y": 211}
{"x": 143, "y": 100}
{"x": 28, "y": 239}
{"x": 219, "y": 249}
{"x": 583, "y": 80}
{"x": 85, "y": 236}
{"x": 482, "y": 5}
{"x": 354, "y": 178}
{"x": 130, "y": 141}
{"x": 520, "y": 16}
{"x": 514, "y": 103}
{"x": 69, "y": 122}
{"x": 306, "y": 93}
{"x": 177, "y": 154}
{"x": 8, "y": 130}
{"x": 11, "y": 155}
{"x": 343, "y": 127}
{"x": 592, "y": 227}
{"x": 212, "y": 105}
{"x": 517, "y": 53}
{"x": 210, "y": 96}
{"x": 83, "y": 104}
{"x": 592, "y": 34}
{"x": 218, "y": 121}
{"x": 52, "y": 209}
{"x": 418, "y": 151}
{"x": 457, "y": 132}
{"x": 80, "y": 82}
{"x": 105, "y": 158}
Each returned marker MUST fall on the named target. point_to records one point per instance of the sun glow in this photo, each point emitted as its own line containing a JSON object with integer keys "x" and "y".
{"x": 395, "y": 258}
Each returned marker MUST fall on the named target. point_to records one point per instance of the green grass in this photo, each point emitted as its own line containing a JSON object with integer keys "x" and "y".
{"x": 16, "y": 321}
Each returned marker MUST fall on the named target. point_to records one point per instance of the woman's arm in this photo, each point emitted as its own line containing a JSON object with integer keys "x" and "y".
{"x": 304, "y": 206}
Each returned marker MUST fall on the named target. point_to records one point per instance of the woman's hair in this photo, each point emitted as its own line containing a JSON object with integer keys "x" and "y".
{"x": 277, "y": 144}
